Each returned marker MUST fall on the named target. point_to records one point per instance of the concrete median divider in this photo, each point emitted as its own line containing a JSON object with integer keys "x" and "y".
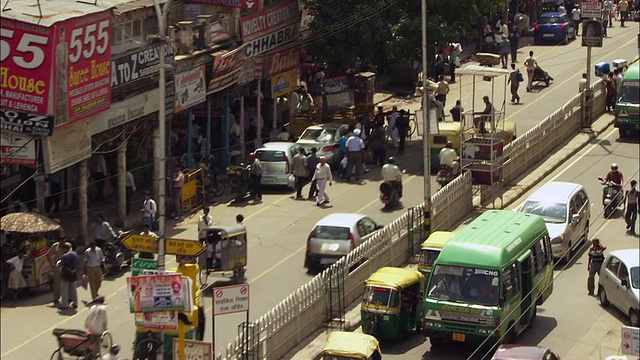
{"x": 305, "y": 311}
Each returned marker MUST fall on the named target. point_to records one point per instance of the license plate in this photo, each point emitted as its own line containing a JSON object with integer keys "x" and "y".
{"x": 458, "y": 337}
{"x": 327, "y": 261}
{"x": 548, "y": 35}
{"x": 268, "y": 180}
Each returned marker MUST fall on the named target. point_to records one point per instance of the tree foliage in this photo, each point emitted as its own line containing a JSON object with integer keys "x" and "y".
{"x": 383, "y": 34}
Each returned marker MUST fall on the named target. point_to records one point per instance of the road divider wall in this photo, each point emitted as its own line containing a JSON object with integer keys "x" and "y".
{"x": 303, "y": 312}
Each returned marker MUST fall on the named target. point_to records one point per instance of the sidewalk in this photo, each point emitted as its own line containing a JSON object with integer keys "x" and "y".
{"x": 311, "y": 347}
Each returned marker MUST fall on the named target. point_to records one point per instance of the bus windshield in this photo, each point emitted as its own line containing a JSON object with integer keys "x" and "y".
{"x": 630, "y": 92}
{"x": 380, "y": 296}
{"x": 465, "y": 285}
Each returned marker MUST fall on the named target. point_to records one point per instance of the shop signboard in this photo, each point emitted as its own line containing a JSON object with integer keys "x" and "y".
{"x": 26, "y": 67}
{"x": 190, "y": 88}
{"x": 165, "y": 320}
{"x": 284, "y": 82}
{"x": 25, "y": 123}
{"x": 193, "y": 350}
{"x": 67, "y": 146}
{"x": 139, "y": 64}
{"x": 238, "y": 4}
{"x": 592, "y": 33}
{"x": 283, "y": 60}
{"x": 337, "y": 93}
{"x": 17, "y": 149}
{"x": 271, "y": 27}
{"x": 591, "y": 9}
{"x": 162, "y": 292}
{"x": 251, "y": 69}
{"x": 83, "y": 63}
{"x": 122, "y": 112}
{"x": 226, "y": 69}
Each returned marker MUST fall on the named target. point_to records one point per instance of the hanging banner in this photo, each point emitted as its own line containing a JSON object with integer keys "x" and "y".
{"x": 226, "y": 69}
{"x": 67, "y": 146}
{"x": 17, "y": 149}
{"x": 271, "y": 27}
{"x": 190, "y": 88}
{"x": 592, "y": 33}
{"x": 21, "y": 122}
{"x": 282, "y": 83}
{"x": 26, "y": 73}
{"x": 283, "y": 60}
{"x": 83, "y": 63}
{"x": 152, "y": 293}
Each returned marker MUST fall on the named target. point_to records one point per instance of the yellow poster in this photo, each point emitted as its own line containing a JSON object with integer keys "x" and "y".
{"x": 284, "y": 82}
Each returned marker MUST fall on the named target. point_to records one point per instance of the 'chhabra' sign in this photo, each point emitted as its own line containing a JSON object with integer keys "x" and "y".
{"x": 25, "y": 123}
{"x": 226, "y": 69}
{"x": 269, "y": 28}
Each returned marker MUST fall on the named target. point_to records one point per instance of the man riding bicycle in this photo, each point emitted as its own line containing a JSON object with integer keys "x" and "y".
{"x": 96, "y": 324}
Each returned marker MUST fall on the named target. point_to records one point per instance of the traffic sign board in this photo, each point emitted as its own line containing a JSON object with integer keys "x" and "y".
{"x": 139, "y": 265}
{"x": 230, "y": 299}
{"x": 630, "y": 337}
{"x": 141, "y": 243}
{"x": 183, "y": 247}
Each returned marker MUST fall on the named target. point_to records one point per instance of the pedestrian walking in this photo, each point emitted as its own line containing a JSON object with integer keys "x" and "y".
{"x": 322, "y": 175}
{"x": 101, "y": 230}
{"x": 130, "y": 189}
{"x": 402, "y": 124}
{"x": 456, "y": 111}
{"x": 505, "y": 50}
{"x": 94, "y": 268}
{"x": 576, "y": 16}
{"x": 312, "y": 162}
{"x": 596, "y": 258}
{"x": 631, "y": 212}
{"x": 606, "y": 14}
{"x": 355, "y": 150}
{"x": 514, "y": 39}
{"x": 531, "y": 65}
{"x": 514, "y": 80}
{"x": 54, "y": 255}
{"x": 178, "y": 183}
{"x": 392, "y": 132}
{"x": 611, "y": 92}
{"x": 623, "y": 9}
{"x": 256, "y": 177}
{"x": 442, "y": 90}
{"x": 299, "y": 169}
{"x": 205, "y": 220}
{"x": 146, "y": 231}
{"x": 149, "y": 210}
{"x": 378, "y": 143}
{"x": 16, "y": 282}
{"x": 69, "y": 265}
{"x": 582, "y": 84}
{"x": 453, "y": 62}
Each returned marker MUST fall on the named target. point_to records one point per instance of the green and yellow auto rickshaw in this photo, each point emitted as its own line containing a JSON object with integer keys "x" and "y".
{"x": 430, "y": 250}
{"x": 390, "y": 302}
{"x": 342, "y": 345}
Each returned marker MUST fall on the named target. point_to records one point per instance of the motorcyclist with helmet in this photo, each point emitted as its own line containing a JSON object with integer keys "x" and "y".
{"x": 615, "y": 177}
{"x": 392, "y": 174}
{"x": 449, "y": 158}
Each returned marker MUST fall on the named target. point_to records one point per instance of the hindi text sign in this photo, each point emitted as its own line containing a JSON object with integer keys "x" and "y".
{"x": 630, "y": 337}
{"x": 193, "y": 350}
{"x": 141, "y": 243}
{"x": 591, "y": 9}
{"x": 138, "y": 266}
{"x": 166, "y": 320}
{"x": 183, "y": 247}
{"x": 230, "y": 299}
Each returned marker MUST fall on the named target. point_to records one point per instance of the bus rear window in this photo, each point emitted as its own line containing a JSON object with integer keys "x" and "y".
{"x": 380, "y": 296}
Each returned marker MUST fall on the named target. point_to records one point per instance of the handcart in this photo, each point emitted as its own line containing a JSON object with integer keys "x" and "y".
{"x": 540, "y": 75}
{"x": 75, "y": 344}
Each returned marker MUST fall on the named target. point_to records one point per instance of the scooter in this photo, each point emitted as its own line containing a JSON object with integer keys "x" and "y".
{"x": 389, "y": 195}
{"x": 239, "y": 177}
{"x": 611, "y": 198}
{"x": 116, "y": 255}
{"x": 446, "y": 174}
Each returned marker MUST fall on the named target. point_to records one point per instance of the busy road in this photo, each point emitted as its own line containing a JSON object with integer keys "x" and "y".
{"x": 278, "y": 229}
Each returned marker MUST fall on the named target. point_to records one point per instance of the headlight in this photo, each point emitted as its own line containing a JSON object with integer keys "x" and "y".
{"x": 558, "y": 239}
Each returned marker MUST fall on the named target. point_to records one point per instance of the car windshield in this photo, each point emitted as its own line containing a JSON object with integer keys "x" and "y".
{"x": 465, "y": 284}
{"x": 550, "y": 20}
{"x": 630, "y": 92}
{"x": 635, "y": 277}
{"x": 319, "y": 135}
{"x": 555, "y": 213}
{"x": 331, "y": 232}
{"x": 380, "y": 296}
{"x": 271, "y": 155}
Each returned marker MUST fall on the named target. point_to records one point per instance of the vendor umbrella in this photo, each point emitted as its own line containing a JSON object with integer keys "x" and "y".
{"x": 28, "y": 222}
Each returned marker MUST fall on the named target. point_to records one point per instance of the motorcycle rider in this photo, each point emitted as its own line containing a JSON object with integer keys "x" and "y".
{"x": 449, "y": 158}
{"x": 392, "y": 174}
{"x": 615, "y": 177}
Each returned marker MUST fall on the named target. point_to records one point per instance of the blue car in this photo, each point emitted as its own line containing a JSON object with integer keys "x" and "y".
{"x": 553, "y": 27}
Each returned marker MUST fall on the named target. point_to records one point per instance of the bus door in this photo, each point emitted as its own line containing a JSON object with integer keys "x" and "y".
{"x": 526, "y": 281}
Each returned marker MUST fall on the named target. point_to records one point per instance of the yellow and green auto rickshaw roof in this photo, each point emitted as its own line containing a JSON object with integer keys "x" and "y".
{"x": 437, "y": 239}
{"x": 350, "y": 345}
{"x": 395, "y": 277}
{"x": 226, "y": 231}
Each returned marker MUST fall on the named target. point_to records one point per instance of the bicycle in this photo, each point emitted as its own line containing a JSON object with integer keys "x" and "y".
{"x": 76, "y": 344}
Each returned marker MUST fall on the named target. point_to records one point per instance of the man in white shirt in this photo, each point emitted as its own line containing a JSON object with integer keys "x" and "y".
{"x": 149, "y": 210}
{"x": 442, "y": 91}
{"x": 96, "y": 323}
{"x": 321, "y": 176}
{"x": 582, "y": 85}
{"x": 205, "y": 220}
{"x": 576, "y": 16}
{"x": 391, "y": 127}
{"x": 178, "y": 182}
{"x": 448, "y": 156}
{"x": 93, "y": 266}
{"x": 130, "y": 188}
{"x": 16, "y": 280}
{"x": 391, "y": 174}
{"x": 147, "y": 232}
{"x": 355, "y": 147}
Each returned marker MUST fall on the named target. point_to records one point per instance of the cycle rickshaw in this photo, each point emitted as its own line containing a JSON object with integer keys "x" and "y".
{"x": 226, "y": 252}
{"x": 76, "y": 344}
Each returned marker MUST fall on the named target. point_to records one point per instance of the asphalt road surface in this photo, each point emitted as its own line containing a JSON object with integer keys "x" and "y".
{"x": 278, "y": 229}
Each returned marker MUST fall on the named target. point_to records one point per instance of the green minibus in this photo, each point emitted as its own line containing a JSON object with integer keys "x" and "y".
{"x": 489, "y": 279}
{"x": 627, "y": 109}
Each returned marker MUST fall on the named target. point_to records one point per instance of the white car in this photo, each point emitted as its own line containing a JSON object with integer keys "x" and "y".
{"x": 334, "y": 236}
{"x": 619, "y": 283}
{"x": 276, "y": 159}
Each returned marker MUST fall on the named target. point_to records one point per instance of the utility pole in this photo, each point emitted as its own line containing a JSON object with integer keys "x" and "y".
{"x": 425, "y": 122}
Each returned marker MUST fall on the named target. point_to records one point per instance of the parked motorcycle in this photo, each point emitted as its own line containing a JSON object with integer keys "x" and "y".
{"x": 446, "y": 174}
{"x": 116, "y": 255}
{"x": 214, "y": 186}
{"x": 611, "y": 197}
{"x": 239, "y": 177}
{"x": 389, "y": 195}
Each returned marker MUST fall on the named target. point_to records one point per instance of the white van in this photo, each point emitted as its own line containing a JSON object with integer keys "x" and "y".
{"x": 566, "y": 210}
